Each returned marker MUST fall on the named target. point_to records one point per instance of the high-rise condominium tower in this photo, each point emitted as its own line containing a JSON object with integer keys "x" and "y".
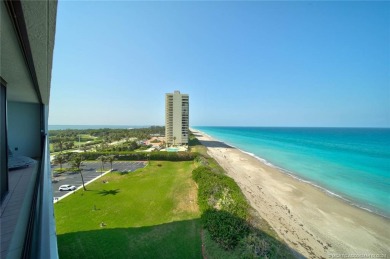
{"x": 176, "y": 118}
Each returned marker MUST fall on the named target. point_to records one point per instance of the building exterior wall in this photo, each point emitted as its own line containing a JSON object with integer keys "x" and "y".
{"x": 176, "y": 118}
{"x": 24, "y": 129}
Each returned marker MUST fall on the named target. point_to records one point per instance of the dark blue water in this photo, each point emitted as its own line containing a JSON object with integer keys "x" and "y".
{"x": 352, "y": 163}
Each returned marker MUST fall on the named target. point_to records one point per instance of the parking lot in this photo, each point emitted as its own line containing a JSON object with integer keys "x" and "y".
{"x": 89, "y": 173}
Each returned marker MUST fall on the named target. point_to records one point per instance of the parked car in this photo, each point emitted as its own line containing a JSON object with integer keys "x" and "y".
{"x": 67, "y": 187}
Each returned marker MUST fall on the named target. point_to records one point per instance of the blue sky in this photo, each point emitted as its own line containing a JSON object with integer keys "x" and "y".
{"x": 242, "y": 63}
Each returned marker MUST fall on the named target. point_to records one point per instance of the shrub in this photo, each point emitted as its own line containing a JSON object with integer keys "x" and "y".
{"x": 193, "y": 141}
{"x": 201, "y": 160}
{"x": 162, "y": 156}
{"x": 224, "y": 228}
{"x": 218, "y": 191}
{"x": 254, "y": 246}
{"x": 60, "y": 170}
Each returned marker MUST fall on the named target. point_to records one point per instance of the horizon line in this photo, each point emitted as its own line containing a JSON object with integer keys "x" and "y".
{"x": 226, "y": 126}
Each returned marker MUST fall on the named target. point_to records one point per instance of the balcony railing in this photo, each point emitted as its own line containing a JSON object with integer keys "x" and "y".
{"x": 30, "y": 232}
{"x": 41, "y": 241}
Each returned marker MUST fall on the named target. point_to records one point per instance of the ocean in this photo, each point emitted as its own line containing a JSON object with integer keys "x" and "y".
{"x": 350, "y": 163}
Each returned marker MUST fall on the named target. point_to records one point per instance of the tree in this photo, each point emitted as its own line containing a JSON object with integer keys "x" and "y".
{"x": 95, "y": 147}
{"x": 149, "y": 159}
{"x": 57, "y": 147}
{"x": 103, "y": 159}
{"x": 77, "y": 162}
{"x": 60, "y": 159}
{"x": 133, "y": 146}
{"x": 60, "y": 143}
{"x": 111, "y": 159}
{"x": 174, "y": 140}
{"x": 103, "y": 145}
{"x": 127, "y": 137}
{"x": 84, "y": 148}
{"x": 68, "y": 145}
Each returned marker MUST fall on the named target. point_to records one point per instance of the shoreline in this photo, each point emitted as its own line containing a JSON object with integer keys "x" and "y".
{"x": 315, "y": 185}
{"x": 330, "y": 193}
{"x": 308, "y": 218}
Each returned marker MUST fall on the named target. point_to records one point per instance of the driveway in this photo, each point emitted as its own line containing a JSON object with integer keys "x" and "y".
{"x": 89, "y": 173}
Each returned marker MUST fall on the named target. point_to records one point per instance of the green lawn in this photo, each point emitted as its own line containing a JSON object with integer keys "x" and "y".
{"x": 149, "y": 213}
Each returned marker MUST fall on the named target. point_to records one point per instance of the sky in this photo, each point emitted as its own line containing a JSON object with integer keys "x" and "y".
{"x": 250, "y": 63}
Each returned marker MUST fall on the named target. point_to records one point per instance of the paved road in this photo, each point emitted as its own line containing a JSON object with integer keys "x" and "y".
{"x": 89, "y": 173}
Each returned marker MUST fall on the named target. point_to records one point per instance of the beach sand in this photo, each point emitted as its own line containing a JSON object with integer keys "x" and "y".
{"x": 310, "y": 221}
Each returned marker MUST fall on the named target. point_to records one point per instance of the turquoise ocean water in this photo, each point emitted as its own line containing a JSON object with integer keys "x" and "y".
{"x": 351, "y": 163}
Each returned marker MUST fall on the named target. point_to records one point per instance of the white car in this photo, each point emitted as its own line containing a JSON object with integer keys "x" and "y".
{"x": 67, "y": 187}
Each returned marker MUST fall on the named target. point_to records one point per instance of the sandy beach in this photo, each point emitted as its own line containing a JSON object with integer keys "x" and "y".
{"x": 310, "y": 221}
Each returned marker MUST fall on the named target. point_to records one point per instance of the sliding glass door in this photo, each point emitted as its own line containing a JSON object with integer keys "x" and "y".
{"x": 3, "y": 140}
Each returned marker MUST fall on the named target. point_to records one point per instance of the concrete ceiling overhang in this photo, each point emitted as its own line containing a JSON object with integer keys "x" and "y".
{"x": 26, "y": 84}
{"x": 13, "y": 68}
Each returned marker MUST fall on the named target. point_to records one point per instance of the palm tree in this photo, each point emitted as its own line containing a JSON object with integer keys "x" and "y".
{"x": 174, "y": 140}
{"x": 60, "y": 159}
{"x": 103, "y": 159}
{"x": 110, "y": 159}
{"x": 60, "y": 143}
{"x": 77, "y": 162}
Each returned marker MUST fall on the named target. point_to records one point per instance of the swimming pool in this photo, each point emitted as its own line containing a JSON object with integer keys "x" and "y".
{"x": 172, "y": 149}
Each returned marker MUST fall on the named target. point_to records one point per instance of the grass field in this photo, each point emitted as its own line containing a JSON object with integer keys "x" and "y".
{"x": 151, "y": 213}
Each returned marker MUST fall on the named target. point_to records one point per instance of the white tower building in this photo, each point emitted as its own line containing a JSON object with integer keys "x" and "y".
{"x": 176, "y": 118}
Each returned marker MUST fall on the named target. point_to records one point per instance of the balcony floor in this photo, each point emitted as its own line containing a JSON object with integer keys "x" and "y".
{"x": 19, "y": 182}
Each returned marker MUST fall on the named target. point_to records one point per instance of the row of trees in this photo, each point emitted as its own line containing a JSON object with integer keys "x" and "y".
{"x": 137, "y": 156}
{"x": 127, "y": 146}
{"x": 100, "y": 139}
{"x": 76, "y": 160}
{"x": 108, "y": 135}
{"x": 104, "y": 159}
{"x": 61, "y": 146}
